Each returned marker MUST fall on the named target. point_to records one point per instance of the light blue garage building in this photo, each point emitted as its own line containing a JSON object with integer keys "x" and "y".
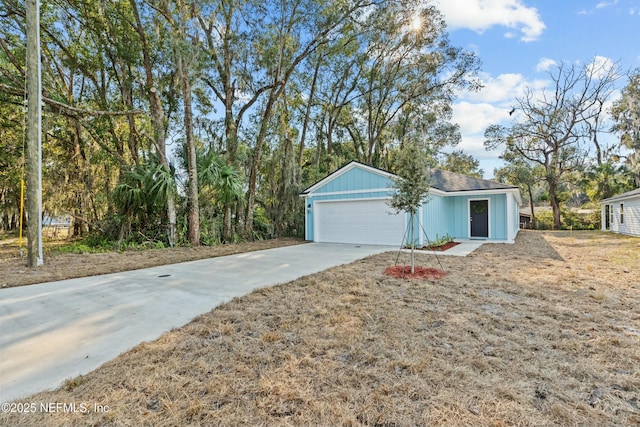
{"x": 351, "y": 205}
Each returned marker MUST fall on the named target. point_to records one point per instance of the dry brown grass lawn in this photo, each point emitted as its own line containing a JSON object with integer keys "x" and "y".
{"x": 60, "y": 266}
{"x": 543, "y": 332}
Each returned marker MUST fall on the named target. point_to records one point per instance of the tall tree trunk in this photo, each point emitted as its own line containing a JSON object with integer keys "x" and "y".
{"x": 255, "y": 165}
{"x": 330, "y": 136}
{"x": 307, "y": 113}
{"x": 533, "y": 213}
{"x": 286, "y": 173}
{"x": 192, "y": 193}
{"x": 553, "y": 179}
{"x": 80, "y": 223}
{"x": 157, "y": 118}
{"x": 555, "y": 206}
{"x": 226, "y": 226}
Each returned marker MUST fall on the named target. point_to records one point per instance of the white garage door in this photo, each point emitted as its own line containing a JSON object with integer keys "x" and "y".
{"x": 370, "y": 222}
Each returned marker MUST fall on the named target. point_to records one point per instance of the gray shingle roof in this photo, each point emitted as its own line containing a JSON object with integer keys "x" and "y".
{"x": 451, "y": 181}
{"x": 631, "y": 193}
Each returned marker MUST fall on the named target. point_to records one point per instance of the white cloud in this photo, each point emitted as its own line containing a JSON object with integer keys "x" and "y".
{"x": 475, "y": 111}
{"x": 475, "y": 118}
{"x": 545, "y": 64}
{"x": 600, "y": 66}
{"x": 480, "y": 15}
{"x": 502, "y": 89}
{"x": 604, "y": 4}
{"x": 474, "y": 145}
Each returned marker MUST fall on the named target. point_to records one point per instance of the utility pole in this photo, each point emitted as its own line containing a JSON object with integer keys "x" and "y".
{"x": 34, "y": 135}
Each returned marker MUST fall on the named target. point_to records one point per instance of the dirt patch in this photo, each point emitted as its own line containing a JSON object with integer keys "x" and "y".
{"x": 60, "y": 266}
{"x": 419, "y": 273}
{"x": 542, "y": 332}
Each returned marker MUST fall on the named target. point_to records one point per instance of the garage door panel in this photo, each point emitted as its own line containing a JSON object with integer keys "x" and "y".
{"x": 358, "y": 221}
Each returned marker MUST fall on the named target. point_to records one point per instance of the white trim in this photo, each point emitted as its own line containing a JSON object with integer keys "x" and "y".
{"x": 619, "y": 199}
{"x": 354, "y": 200}
{"x": 315, "y": 210}
{"x": 512, "y": 230}
{"x": 478, "y": 193}
{"x": 435, "y": 191}
{"x": 315, "y": 221}
{"x": 336, "y": 193}
{"x": 488, "y": 218}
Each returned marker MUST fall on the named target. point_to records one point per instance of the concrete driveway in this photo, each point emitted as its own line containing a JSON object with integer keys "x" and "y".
{"x": 58, "y": 330}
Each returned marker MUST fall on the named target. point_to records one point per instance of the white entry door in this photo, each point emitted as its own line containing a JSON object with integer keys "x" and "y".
{"x": 367, "y": 222}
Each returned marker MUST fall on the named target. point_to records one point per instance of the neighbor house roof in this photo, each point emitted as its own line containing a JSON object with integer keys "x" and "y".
{"x": 627, "y": 195}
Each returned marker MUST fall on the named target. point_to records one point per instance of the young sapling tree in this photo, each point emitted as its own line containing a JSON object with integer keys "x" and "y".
{"x": 412, "y": 186}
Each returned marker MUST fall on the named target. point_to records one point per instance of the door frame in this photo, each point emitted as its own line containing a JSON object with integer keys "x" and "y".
{"x": 482, "y": 199}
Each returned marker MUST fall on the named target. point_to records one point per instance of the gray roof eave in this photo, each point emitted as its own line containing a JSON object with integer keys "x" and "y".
{"x": 628, "y": 195}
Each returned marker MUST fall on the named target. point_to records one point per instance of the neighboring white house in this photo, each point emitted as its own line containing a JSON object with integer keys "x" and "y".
{"x": 621, "y": 213}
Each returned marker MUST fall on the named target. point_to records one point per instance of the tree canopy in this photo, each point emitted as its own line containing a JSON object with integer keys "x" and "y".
{"x": 554, "y": 129}
{"x": 139, "y": 96}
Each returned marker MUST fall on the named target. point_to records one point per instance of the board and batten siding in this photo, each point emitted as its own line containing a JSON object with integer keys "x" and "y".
{"x": 435, "y": 218}
{"x": 450, "y": 215}
{"x": 355, "y": 180}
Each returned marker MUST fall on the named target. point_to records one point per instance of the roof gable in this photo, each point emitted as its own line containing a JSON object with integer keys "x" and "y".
{"x": 352, "y": 176}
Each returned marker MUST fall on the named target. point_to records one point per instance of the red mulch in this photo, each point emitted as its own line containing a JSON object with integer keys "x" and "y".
{"x": 404, "y": 271}
{"x": 440, "y": 248}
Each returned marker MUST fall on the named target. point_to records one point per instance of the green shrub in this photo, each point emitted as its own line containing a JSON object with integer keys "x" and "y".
{"x": 570, "y": 219}
{"x": 441, "y": 241}
{"x": 573, "y": 220}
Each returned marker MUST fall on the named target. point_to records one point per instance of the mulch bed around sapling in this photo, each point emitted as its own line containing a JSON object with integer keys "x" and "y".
{"x": 440, "y": 248}
{"x": 422, "y": 273}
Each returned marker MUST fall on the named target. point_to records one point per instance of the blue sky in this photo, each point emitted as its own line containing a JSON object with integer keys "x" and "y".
{"x": 519, "y": 40}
